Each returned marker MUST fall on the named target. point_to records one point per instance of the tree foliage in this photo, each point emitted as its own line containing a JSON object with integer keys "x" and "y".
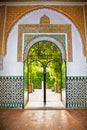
{"x": 42, "y": 54}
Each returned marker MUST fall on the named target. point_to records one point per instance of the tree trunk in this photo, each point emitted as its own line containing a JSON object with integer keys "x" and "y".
{"x": 57, "y": 88}
{"x": 30, "y": 90}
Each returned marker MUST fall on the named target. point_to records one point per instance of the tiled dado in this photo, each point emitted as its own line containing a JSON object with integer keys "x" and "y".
{"x": 76, "y": 92}
{"x": 11, "y": 92}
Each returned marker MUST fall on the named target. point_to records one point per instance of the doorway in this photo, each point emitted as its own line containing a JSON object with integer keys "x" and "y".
{"x": 44, "y": 76}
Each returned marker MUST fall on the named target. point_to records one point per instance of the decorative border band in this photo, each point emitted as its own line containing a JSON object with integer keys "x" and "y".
{"x": 11, "y": 105}
{"x": 40, "y": 28}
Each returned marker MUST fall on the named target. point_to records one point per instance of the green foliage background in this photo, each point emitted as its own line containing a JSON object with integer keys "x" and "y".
{"x": 44, "y": 54}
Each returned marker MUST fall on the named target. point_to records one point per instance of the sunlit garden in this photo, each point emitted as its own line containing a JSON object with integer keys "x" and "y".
{"x": 44, "y": 54}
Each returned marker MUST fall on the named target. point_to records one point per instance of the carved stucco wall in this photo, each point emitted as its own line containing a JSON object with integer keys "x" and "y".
{"x": 49, "y": 28}
{"x": 14, "y": 13}
{"x": 2, "y": 17}
{"x": 77, "y": 67}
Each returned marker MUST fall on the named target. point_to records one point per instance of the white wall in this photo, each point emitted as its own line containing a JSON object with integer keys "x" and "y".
{"x": 79, "y": 66}
{"x": 12, "y": 68}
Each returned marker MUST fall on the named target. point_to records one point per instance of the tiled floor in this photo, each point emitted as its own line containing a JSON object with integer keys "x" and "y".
{"x": 13, "y": 119}
{"x": 52, "y": 99}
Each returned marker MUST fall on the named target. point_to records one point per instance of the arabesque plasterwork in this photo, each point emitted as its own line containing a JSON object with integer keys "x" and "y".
{"x": 42, "y": 28}
{"x": 14, "y": 13}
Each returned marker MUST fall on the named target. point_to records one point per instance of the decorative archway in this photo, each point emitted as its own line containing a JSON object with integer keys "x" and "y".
{"x": 38, "y": 52}
{"x": 61, "y": 33}
{"x": 60, "y": 10}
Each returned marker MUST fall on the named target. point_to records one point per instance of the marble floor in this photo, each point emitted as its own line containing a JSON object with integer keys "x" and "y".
{"x": 15, "y": 119}
{"x": 53, "y": 100}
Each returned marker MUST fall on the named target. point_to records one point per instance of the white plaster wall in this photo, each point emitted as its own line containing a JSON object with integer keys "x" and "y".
{"x": 79, "y": 66}
{"x": 12, "y": 68}
{"x": 10, "y": 65}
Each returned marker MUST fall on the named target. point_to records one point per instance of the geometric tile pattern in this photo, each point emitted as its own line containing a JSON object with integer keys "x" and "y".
{"x": 11, "y": 92}
{"x": 76, "y": 92}
{"x": 60, "y": 38}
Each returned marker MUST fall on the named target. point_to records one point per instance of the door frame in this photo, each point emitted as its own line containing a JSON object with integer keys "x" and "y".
{"x": 44, "y": 68}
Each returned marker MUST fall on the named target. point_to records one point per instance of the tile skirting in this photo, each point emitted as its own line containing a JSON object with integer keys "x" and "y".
{"x": 76, "y": 92}
{"x": 11, "y": 92}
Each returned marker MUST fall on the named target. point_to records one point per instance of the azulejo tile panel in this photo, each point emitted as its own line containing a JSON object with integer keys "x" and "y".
{"x": 76, "y": 92}
{"x": 11, "y": 92}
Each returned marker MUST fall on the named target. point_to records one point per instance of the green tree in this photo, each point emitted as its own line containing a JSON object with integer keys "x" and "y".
{"x": 41, "y": 54}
